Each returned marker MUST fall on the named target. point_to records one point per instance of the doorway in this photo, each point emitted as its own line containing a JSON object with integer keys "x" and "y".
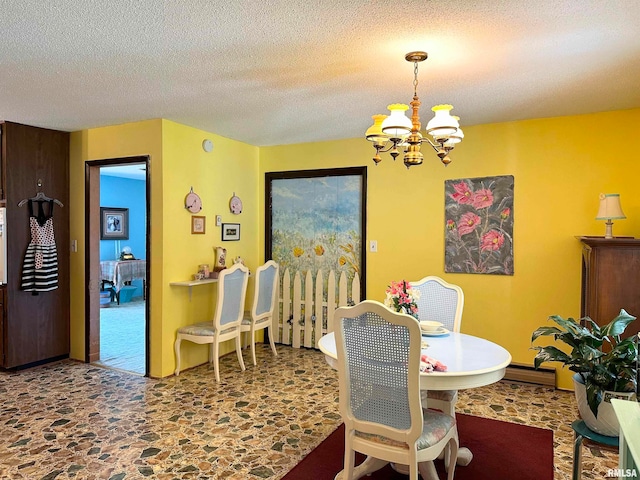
{"x": 118, "y": 246}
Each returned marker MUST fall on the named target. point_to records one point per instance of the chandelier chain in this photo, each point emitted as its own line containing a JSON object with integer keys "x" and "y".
{"x": 415, "y": 79}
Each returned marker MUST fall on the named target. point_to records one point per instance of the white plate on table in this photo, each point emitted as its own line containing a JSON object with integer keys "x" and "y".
{"x": 438, "y": 332}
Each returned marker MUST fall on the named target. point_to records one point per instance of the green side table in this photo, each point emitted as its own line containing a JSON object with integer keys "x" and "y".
{"x": 582, "y": 431}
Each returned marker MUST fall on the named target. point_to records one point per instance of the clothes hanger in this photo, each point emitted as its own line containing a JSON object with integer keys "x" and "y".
{"x": 40, "y": 197}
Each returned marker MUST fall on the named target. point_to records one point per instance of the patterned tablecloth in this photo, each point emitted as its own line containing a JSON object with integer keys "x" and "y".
{"x": 118, "y": 272}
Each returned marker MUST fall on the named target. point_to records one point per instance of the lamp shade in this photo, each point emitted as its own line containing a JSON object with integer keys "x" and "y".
{"x": 455, "y": 137}
{"x": 374, "y": 132}
{"x": 610, "y": 208}
{"x": 442, "y": 124}
{"x": 397, "y": 125}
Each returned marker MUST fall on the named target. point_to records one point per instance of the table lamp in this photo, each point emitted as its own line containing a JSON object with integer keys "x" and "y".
{"x": 610, "y": 209}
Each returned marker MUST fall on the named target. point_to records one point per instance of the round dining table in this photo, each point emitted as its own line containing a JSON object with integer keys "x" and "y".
{"x": 471, "y": 362}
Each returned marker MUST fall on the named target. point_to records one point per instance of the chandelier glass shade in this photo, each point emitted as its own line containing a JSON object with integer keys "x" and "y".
{"x": 393, "y": 132}
{"x": 397, "y": 125}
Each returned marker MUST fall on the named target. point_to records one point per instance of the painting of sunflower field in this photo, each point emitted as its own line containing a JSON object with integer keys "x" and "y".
{"x": 316, "y": 221}
{"x": 479, "y": 225}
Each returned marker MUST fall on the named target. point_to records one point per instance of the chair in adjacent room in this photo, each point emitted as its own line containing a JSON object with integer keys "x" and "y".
{"x": 227, "y": 319}
{"x": 378, "y": 356}
{"x": 442, "y": 302}
{"x": 264, "y": 304}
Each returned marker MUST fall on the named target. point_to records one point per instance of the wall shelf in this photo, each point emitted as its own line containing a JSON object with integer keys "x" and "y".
{"x": 193, "y": 283}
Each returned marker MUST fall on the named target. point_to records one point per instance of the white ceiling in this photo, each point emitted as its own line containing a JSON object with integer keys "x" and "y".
{"x": 135, "y": 171}
{"x": 286, "y": 71}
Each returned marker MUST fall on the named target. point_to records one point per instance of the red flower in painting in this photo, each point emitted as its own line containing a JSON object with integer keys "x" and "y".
{"x": 483, "y": 198}
{"x": 468, "y": 223}
{"x": 463, "y": 194}
{"x": 492, "y": 240}
{"x": 504, "y": 214}
{"x": 451, "y": 225}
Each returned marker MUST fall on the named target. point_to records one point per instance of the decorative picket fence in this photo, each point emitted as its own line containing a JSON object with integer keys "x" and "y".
{"x": 306, "y": 309}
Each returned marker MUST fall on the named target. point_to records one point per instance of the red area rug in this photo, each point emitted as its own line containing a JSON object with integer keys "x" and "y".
{"x": 501, "y": 451}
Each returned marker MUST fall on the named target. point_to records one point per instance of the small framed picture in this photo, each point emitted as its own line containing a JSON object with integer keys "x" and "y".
{"x": 114, "y": 223}
{"x": 230, "y": 231}
{"x": 197, "y": 224}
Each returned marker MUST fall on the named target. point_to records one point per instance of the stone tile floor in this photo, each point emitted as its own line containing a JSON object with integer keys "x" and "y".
{"x": 73, "y": 420}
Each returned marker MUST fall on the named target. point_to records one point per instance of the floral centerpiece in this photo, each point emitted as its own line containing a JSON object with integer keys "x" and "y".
{"x": 402, "y": 298}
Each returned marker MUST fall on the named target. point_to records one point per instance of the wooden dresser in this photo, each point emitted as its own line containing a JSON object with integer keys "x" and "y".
{"x": 611, "y": 279}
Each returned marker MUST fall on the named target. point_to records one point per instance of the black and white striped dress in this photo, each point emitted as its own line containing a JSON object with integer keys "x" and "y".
{"x": 40, "y": 268}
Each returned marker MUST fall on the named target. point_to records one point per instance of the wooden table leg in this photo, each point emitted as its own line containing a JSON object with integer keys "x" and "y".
{"x": 428, "y": 471}
{"x": 367, "y": 467}
{"x": 464, "y": 457}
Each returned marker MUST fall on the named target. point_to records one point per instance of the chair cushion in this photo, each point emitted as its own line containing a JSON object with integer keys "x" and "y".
{"x": 202, "y": 329}
{"x": 442, "y": 395}
{"x": 436, "y": 425}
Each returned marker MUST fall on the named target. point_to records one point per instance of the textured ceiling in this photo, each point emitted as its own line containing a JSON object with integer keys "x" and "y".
{"x": 280, "y": 72}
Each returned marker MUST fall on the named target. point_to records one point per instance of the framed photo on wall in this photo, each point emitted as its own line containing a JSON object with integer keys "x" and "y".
{"x": 114, "y": 223}
{"x": 230, "y": 231}
{"x": 198, "y": 224}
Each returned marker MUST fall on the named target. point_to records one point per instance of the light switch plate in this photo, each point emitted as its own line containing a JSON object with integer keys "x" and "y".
{"x": 218, "y": 220}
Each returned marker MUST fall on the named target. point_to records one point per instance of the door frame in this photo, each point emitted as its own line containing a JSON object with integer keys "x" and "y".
{"x": 92, "y": 253}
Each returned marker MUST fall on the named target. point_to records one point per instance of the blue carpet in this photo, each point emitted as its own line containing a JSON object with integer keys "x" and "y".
{"x": 122, "y": 334}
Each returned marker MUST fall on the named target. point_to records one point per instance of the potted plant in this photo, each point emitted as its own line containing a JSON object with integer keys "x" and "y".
{"x": 602, "y": 360}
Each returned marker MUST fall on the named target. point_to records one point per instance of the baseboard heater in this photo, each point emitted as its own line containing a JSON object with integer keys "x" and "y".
{"x": 520, "y": 372}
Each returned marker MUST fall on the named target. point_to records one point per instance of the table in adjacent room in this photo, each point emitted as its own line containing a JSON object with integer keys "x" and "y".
{"x": 122, "y": 272}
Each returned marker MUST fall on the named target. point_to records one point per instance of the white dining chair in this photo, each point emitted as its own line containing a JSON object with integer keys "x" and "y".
{"x": 378, "y": 356}
{"x": 227, "y": 319}
{"x": 263, "y": 306}
{"x": 443, "y": 302}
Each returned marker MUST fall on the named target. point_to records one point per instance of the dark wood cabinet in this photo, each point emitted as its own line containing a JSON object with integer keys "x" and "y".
{"x": 611, "y": 279}
{"x": 35, "y": 328}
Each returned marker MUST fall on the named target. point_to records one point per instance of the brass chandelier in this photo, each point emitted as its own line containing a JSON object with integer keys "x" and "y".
{"x": 389, "y": 133}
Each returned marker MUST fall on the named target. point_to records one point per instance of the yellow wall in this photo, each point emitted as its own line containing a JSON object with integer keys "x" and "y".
{"x": 231, "y": 167}
{"x": 560, "y": 166}
{"x": 143, "y": 138}
{"x": 178, "y": 162}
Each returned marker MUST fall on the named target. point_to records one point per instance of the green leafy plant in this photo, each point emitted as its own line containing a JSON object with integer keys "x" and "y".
{"x": 598, "y": 354}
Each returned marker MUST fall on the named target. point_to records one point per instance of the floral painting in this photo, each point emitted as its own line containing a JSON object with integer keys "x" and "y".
{"x": 479, "y": 225}
{"x": 316, "y": 221}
